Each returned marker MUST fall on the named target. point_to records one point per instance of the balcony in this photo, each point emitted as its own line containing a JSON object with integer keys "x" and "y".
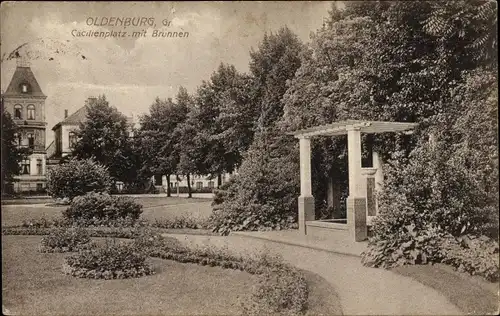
{"x": 29, "y": 123}
{"x": 32, "y": 147}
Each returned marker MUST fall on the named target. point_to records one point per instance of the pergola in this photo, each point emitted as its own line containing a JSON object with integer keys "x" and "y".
{"x": 357, "y": 199}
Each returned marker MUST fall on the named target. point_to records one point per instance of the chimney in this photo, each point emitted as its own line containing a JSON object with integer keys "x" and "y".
{"x": 65, "y": 113}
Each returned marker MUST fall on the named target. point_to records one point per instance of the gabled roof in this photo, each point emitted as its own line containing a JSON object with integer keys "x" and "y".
{"x": 24, "y": 75}
{"x": 74, "y": 119}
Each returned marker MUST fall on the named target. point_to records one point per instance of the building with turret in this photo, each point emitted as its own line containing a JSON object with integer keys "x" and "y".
{"x": 25, "y": 102}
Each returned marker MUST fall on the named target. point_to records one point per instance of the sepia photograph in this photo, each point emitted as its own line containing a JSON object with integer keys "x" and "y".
{"x": 249, "y": 158}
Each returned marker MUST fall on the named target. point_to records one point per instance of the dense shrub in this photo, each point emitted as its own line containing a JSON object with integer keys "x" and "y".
{"x": 64, "y": 240}
{"x": 110, "y": 260}
{"x": 96, "y": 209}
{"x": 263, "y": 195}
{"x": 78, "y": 177}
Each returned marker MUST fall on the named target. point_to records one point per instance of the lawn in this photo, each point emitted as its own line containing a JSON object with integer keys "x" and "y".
{"x": 34, "y": 285}
{"x": 153, "y": 208}
{"x": 472, "y": 295}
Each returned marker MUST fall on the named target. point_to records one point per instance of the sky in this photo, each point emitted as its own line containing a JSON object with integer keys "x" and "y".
{"x": 133, "y": 71}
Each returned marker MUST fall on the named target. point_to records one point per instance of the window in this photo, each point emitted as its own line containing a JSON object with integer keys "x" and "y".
{"x": 25, "y": 87}
{"x": 211, "y": 184}
{"x": 73, "y": 140}
{"x": 17, "y": 139}
{"x": 31, "y": 140}
{"x": 25, "y": 167}
{"x": 18, "y": 111}
{"x": 31, "y": 112}
{"x": 199, "y": 185}
{"x": 39, "y": 167}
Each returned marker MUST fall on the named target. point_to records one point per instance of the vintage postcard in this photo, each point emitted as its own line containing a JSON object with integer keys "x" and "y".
{"x": 249, "y": 158}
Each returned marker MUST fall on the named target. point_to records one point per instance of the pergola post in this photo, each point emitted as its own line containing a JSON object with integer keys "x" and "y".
{"x": 306, "y": 199}
{"x": 356, "y": 202}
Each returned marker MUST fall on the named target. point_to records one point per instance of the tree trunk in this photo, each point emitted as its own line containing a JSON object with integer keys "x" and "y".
{"x": 168, "y": 186}
{"x": 189, "y": 186}
{"x": 219, "y": 180}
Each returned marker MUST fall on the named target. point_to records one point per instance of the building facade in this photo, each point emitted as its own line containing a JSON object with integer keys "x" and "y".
{"x": 25, "y": 102}
{"x": 64, "y": 131}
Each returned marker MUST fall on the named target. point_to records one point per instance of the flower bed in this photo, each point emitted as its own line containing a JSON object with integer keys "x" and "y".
{"x": 111, "y": 260}
{"x": 64, "y": 240}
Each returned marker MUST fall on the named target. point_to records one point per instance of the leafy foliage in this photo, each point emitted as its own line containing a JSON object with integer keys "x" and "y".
{"x": 104, "y": 136}
{"x": 95, "y": 209}
{"x": 110, "y": 260}
{"x": 282, "y": 290}
{"x": 12, "y": 155}
{"x": 78, "y": 177}
{"x": 64, "y": 240}
{"x": 157, "y": 136}
{"x": 467, "y": 253}
{"x": 263, "y": 194}
{"x": 472, "y": 254}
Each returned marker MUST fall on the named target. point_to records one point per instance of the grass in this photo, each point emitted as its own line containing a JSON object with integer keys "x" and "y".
{"x": 153, "y": 208}
{"x": 472, "y": 295}
{"x": 34, "y": 285}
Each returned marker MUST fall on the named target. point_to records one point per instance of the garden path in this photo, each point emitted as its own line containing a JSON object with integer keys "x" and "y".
{"x": 362, "y": 290}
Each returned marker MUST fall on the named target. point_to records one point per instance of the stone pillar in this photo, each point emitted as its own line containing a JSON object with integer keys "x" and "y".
{"x": 306, "y": 200}
{"x": 356, "y": 202}
{"x": 379, "y": 176}
{"x": 369, "y": 179}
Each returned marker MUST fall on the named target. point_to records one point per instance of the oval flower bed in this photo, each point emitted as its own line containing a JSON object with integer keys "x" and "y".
{"x": 110, "y": 260}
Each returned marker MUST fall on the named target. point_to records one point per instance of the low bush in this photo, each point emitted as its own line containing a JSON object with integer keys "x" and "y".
{"x": 78, "y": 177}
{"x": 181, "y": 222}
{"x": 114, "y": 232}
{"x": 472, "y": 254}
{"x": 409, "y": 246}
{"x": 476, "y": 255}
{"x": 150, "y": 240}
{"x": 281, "y": 290}
{"x": 64, "y": 240}
{"x": 96, "y": 209}
{"x": 111, "y": 260}
{"x": 44, "y": 223}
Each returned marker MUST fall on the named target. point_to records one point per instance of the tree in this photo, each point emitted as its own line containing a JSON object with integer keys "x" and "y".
{"x": 12, "y": 155}
{"x": 184, "y": 136}
{"x": 263, "y": 192}
{"x": 104, "y": 135}
{"x": 157, "y": 139}
{"x": 272, "y": 65}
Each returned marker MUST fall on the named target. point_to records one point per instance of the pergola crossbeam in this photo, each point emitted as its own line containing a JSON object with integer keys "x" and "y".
{"x": 342, "y": 127}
